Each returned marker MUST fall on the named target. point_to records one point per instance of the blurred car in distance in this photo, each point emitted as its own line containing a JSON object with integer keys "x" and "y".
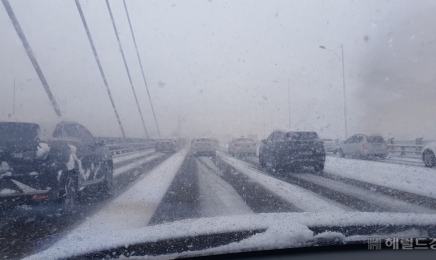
{"x": 331, "y": 146}
{"x": 242, "y": 147}
{"x": 361, "y": 146}
{"x": 203, "y": 146}
{"x": 166, "y": 146}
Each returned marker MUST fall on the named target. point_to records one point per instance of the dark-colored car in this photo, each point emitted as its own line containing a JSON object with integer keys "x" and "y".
{"x": 166, "y": 146}
{"x": 44, "y": 166}
{"x": 292, "y": 149}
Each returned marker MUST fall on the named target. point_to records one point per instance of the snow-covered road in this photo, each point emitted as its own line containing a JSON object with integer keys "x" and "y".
{"x": 182, "y": 186}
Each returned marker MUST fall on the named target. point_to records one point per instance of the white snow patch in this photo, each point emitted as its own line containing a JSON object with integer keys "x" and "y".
{"x": 42, "y": 151}
{"x": 7, "y": 191}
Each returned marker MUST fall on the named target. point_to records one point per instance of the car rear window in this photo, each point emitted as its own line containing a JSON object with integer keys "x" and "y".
{"x": 375, "y": 139}
{"x": 294, "y": 136}
{"x": 18, "y": 131}
{"x": 243, "y": 140}
{"x": 203, "y": 140}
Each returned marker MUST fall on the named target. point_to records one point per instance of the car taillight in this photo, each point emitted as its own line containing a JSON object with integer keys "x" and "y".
{"x": 38, "y": 196}
{"x": 365, "y": 146}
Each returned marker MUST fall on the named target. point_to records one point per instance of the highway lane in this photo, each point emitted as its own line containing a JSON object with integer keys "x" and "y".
{"x": 187, "y": 187}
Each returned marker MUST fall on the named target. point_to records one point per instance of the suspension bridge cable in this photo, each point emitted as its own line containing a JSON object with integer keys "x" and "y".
{"x": 140, "y": 64}
{"x": 125, "y": 65}
{"x": 97, "y": 59}
{"x": 32, "y": 58}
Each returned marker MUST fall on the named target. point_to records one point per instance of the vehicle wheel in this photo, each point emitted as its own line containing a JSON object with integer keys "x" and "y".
{"x": 383, "y": 156}
{"x": 319, "y": 168}
{"x": 68, "y": 194}
{"x": 341, "y": 153}
{"x": 429, "y": 159}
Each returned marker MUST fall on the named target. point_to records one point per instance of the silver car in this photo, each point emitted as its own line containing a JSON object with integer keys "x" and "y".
{"x": 362, "y": 146}
{"x": 242, "y": 146}
{"x": 203, "y": 146}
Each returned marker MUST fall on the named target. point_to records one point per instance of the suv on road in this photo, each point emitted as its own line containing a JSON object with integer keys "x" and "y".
{"x": 360, "y": 146}
{"x": 45, "y": 165}
{"x": 292, "y": 149}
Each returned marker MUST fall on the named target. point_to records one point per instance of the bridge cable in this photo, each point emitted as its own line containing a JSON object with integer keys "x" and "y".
{"x": 97, "y": 59}
{"x": 32, "y": 57}
{"x": 125, "y": 65}
{"x": 140, "y": 64}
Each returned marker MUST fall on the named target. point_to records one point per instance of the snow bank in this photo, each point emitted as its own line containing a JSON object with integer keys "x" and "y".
{"x": 413, "y": 179}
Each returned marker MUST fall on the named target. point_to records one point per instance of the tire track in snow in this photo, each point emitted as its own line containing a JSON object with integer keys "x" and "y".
{"x": 255, "y": 196}
{"x": 333, "y": 195}
{"x": 394, "y": 193}
{"x": 217, "y": 197}
{"x": 181, "y": 201}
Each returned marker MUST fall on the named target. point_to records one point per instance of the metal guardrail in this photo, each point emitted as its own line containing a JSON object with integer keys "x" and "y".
{"x": 124, "y": 145}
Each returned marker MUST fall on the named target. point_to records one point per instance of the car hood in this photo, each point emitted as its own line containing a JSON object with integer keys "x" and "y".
{"x": 268, "y": 231}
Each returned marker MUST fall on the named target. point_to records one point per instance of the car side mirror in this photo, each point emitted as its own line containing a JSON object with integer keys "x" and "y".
{"x": 100, "y": 143}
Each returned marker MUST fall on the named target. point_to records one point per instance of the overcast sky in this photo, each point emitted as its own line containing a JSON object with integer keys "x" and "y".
{"x": 224, "y": 66}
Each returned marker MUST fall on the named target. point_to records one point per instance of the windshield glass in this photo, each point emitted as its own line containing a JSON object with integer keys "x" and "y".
{"x": 170, "y": 129}
{"x": 18, "y": 131}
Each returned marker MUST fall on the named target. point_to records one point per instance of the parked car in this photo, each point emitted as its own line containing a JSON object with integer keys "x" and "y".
{"x": 428, "y": 154}
{"x": 203, "y": 146}
{"x": 46, "y": 165}
{"x": 166, "y": 146}
{"x": 242, "y": 146}
{"x": 292, "y": 149}
{"x": 362, "y": 147}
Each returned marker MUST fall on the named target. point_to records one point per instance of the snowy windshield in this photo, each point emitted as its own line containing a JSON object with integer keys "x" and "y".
{"x": 167, "y": 129}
